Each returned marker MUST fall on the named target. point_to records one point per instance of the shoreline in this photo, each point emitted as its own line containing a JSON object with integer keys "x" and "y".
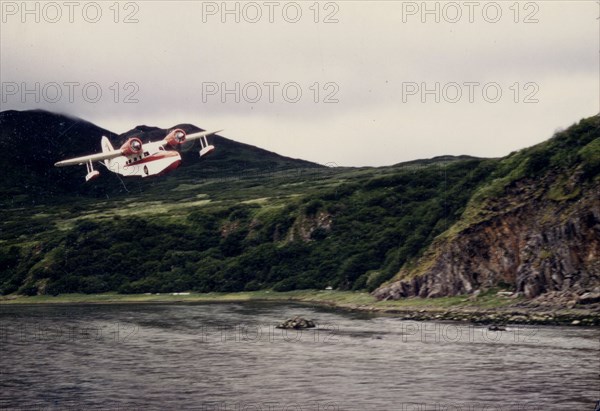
{"x": 489, "y": 309}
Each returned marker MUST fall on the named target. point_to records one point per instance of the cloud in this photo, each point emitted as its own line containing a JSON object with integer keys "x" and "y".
{"x": 192, "y": 62}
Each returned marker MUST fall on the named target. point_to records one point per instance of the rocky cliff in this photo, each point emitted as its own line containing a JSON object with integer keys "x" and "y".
{"x": 538, "y": 233}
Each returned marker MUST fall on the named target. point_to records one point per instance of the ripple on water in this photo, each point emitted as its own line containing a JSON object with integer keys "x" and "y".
{"x": 231, "y": 355}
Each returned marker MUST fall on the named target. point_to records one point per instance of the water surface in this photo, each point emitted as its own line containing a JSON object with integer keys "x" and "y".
{"x": 231, "y": 357}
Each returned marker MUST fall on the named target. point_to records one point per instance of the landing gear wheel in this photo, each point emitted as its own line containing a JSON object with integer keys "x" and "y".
{"x": 146, "y": 170}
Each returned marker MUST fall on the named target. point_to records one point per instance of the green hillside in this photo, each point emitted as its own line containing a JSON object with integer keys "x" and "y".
{"x": 293, "y": 227}
{"x": 37, "y": 139}
{"x": 532, "y": 227}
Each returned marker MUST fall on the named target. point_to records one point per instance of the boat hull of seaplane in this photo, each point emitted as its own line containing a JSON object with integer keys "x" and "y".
{"x": 152, "y": 165}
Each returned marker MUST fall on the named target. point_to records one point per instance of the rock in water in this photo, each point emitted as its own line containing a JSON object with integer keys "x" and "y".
{"x": 495, "y": 327}
{"x": 296, "y": 323}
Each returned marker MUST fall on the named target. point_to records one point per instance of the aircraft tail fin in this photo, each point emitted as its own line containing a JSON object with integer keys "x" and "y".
{"x": 106, "y": 147}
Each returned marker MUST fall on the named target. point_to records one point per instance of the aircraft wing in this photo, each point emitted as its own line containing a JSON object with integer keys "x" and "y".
{"x": 196, "y": 136}
{"x": 92, "y": 157}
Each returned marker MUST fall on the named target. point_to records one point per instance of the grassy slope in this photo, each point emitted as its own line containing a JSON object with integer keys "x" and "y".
{"x": 175, "y": 229}
{"x": 575, "y": 150}
{"x": 349, "y": 299}
{"x": 546, "y": 169}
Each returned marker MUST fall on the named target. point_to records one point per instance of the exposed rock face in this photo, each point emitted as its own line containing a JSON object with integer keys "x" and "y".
{"x": 589, "y": 298}
{"x": 536, "y": 246}
{"x": 305, "y": 227}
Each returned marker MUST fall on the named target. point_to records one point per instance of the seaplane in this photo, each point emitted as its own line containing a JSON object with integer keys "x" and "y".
{"x": 135, "y": 158}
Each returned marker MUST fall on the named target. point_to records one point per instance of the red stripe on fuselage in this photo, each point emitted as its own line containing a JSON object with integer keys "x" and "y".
{"x": 154, "y": 157}
{"x": 171, "y": 167}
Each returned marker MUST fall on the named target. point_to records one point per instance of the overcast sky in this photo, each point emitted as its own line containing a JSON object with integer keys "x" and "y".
{"x": 349, "y": 82}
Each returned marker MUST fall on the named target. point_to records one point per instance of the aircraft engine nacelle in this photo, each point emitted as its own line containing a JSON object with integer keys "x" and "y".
{"x": 132, "y": 147}
{"x": 175, "y": 137}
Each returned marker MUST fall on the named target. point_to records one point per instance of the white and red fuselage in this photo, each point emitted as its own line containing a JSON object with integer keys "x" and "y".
{"x": 150, "y": 160}
{"x": 135, "y": 158}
